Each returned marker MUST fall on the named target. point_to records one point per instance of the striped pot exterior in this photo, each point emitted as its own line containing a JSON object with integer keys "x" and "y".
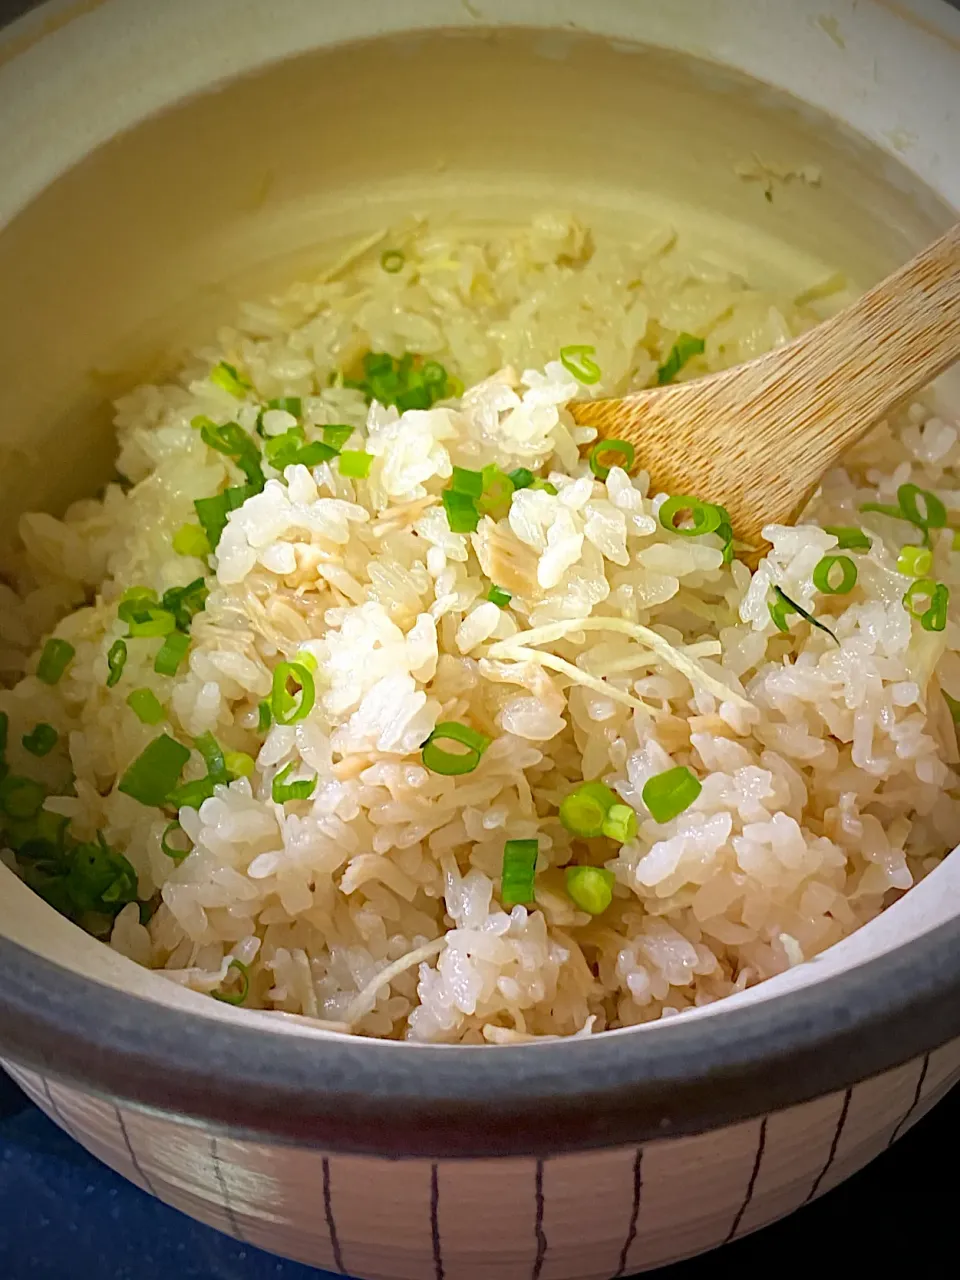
{"x": 586, "y": 1216}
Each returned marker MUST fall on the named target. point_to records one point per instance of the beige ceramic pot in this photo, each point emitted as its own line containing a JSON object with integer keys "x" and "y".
{"x": 160, "y": 161}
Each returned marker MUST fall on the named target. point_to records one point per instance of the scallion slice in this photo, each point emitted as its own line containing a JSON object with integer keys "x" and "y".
{"x": 185, "y": 602}
{"x": 152, "y": 621}
{"x": 577, "y": 359}
{"x": 300, "y": 789}
{"x": 336, "y": 435}
{"x": 191, "y": 795}
{"x": 213, "y": 512}
{"x": 927, "y": 601}
{"x": 461, "y": 509}
{"x": 289, "y": 707}
{"x": 690, "y": 517}
{"x": 281, "y": 451}
{"x": 146, "y": 706}
{"x": 497, "y": 493}
{"x": 909, "y": 500}
{"x": 496, "y": 595}
{"x": 451, "y": 763}
{"x": 466, "y": 481}
{"x": 591, "y": 888}
{"x": 171, "y": 653}
{"x": 54, "y": 660}
{"x": 608, "y": 447}
{"x": 668, "y": 794}
{"x": 239, "y": 764}
{"x": 522, "y": 478}
{"x": 213, "y": 757}
{"x": 170, "y": 850}
{"x": 190, "y": 540}
{"x": 824, "y": 579}
{"x": 116, "y": 660}
{"x": 226, "y": 377}
{"x": 620, "y": 824}
{"x": 518, "y": 871}
{"x": 312, "y": 454}
{"x": 849, "y": 538}
{"x": 237, "y": 997}
{"x": 583, "y": 811}
{"x": 392, "y": 260}
{"x": 264, "y": 716}
{"x": 21, "y": 798}
{"x": 231, "y": 440}
{"x": 683, "y": 350}
{"x": 355, "y": 464}
{"x": 289, "y": 404}
{"x": 155, "y": 772}
{"x": 41, "y": 739}
{"x": 915, "y": 562}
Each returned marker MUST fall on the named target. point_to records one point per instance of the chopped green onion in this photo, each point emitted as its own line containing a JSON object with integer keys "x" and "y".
{"x": 225, "y": 376}
{"x": 591, "y": 888}
{"x": 496, "y": 595}
{"x": 146, "y": 706}
{"x": 54, "y": 660}
{"x": 171, "y": 653}
{"x": 884, "y": 509}
{"x": 155, "y": 772}
{"x": 337, "y": 435}
{"x": 213, "y": 512}
{"x": 190, "y": 540}
{"x": 461, "y": 509}
{"x": 724, "y": 530}
{"x": 546, "y": 486}
{"x": 602, "y": 470}
{"x": 915, "y": 562}
{"x": 185, "y": 602}
{"x": 454, "y": 388}
{"x": 703, "y": 517}
{"x": 620, "y": 824}
{"x": 232, "y": 440}
{"x": 289, "y": 404}
{"x": 497, "y": 493}
{"x": 577, "y": 360}
{"x": 239, "y": 764}
{"x": 392, "y": 261}
{"x": 41, "y": 740}
{"x": 683, "y": 350}
{"x": 783, "y": 606}
{"x": 301, "y": 789}
{"x": 927, "y": 600}
{"x": 311, "y": 455}
{"x": 848, "y": 537}
{"x": 212, "y": 754}
{"x": 116, "y": 660}
{"x": 308, "y": 660}
{"x": 240, "y": 996}
{"x": 583, "y": 811}
{"x": 822, "y": 575}
{"x": 264, "y": 717}
{"x": 100, "y": 879}
{"x": 192, "y": 794}
{"x": 934, "y": 513}
{"x": 400, "y": 382}
{"x": 355, "y": 464}
{"x": 517, "y": 872}
{"x": 521, "y": 478}
{"x": 289, "y": 707}
{"x": 466, "y": 481}
{"x": 435, "y": 375}
{"x": 21, "y": 798}
{"x": 668, "y": 794}
{"x": 170, "y": 850}
{"x": 281, "y": 451}
{"x": 451, "y": 763}
{"x": 152, "y": 621}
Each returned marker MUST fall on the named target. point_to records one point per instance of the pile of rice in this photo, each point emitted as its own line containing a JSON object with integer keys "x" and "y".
{"x": 828, "y": 770}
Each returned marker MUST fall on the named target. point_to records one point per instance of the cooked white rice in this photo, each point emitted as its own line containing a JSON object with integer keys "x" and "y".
{"x": 827, "y": 770}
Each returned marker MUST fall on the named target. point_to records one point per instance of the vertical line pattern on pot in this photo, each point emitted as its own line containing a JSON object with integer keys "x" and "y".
{"x": 761, "y": 1144}
{"x": 538, "y": 1225}
{"x": 914, "y": 1104}
{"x": 435, "y": 1222}
{"x": 60, "y": 1118}
{"x": 134, "y": 1158}
{"x": 328, "y": 1213}
{"x": 224, "y": 1193}
{"x": 634, "y": 1213}
{"x": 832, "y": 1154}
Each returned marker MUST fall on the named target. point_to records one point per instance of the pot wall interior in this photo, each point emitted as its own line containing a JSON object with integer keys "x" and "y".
{"x": 147, "y": 245}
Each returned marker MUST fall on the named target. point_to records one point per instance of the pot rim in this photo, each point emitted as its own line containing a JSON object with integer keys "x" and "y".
{"x": 373, "y": 1097}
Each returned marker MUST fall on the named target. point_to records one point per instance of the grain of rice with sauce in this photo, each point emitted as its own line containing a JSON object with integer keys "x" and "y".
{"x": 614, "y": 650}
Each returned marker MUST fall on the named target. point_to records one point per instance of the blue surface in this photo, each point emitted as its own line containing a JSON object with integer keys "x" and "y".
{"x": 64, "y": 1216}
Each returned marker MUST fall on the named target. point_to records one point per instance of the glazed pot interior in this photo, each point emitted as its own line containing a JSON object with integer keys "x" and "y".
{"x": 147, "y": 244}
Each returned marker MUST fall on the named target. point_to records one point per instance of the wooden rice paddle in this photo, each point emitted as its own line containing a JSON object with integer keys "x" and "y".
{"x": 757, "y": 438}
